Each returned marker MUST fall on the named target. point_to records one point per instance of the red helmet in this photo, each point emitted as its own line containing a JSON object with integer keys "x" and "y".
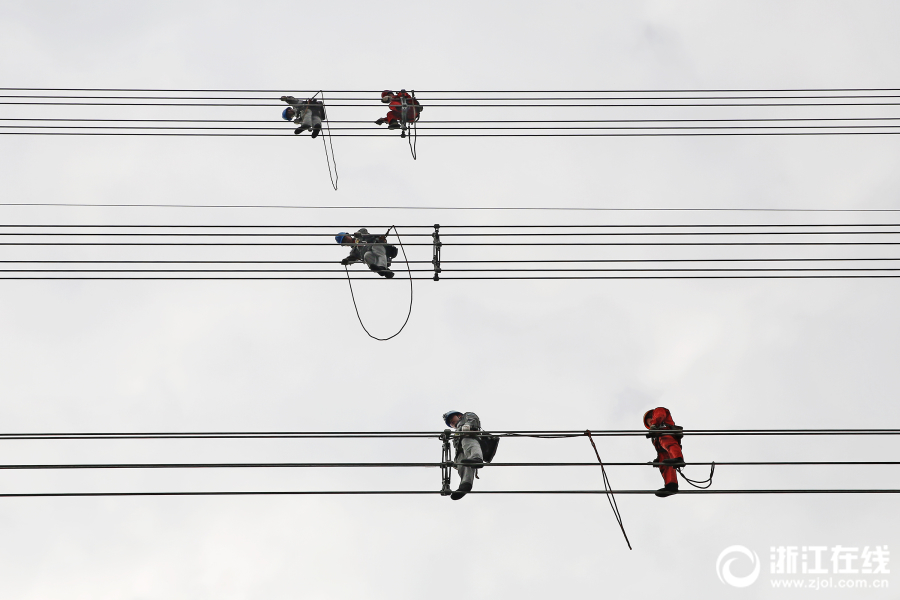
{"x": 647, "y": 416}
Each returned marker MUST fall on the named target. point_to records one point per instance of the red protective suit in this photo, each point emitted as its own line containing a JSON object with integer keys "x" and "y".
{"x": 413, "y": 108}
{"x": 667, "y": 446}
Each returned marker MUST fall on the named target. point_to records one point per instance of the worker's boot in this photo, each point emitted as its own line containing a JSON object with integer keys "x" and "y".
{"x": 300, "y": 130}
{"x": 674, "y": 462}
{"x": 670, "y": 489}
{"x": 316, "y": 130}
{"x": 394, "y": 124}
{"x": 387, "y": 273}
{"x": 464, "y": 488}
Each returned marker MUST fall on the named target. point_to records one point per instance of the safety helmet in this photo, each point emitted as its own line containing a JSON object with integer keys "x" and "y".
{"x": 449, "y": 414}
{"x": 284, "y": 113}
{"x": 386, "y": 96}
{"x": 647, "y": 416}
{"x": 339, "y": 238}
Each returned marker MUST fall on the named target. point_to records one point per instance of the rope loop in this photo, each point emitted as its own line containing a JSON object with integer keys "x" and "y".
{"x": 700, "y": 485}
{"x": 356, "y": 308}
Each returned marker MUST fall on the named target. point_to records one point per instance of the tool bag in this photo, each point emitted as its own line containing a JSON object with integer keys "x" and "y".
{"x": 489, "y": 445}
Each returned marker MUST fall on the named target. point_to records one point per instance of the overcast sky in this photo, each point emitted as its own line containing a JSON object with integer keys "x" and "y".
{"x": 220, "y": 356}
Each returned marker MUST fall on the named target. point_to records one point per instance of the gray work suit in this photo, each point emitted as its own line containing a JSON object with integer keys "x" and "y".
{"x": 308, "y": 120}
{"x": 467, "y": 447}
{"x": 309, "y": 113}
{"x": 372, "y": 253}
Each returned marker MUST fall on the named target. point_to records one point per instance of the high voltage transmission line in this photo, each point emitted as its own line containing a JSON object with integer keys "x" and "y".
{"x": 575, "y": 113}
{"x": 523, "y": 433}
{"x": 480, "y": 91}
{"x": 445, "y": 437}
{"x": 611, "y": 251}
{"x": 438, "y": 492}
{"x": 445, "y": 465}
{"x": 457, "y": 208}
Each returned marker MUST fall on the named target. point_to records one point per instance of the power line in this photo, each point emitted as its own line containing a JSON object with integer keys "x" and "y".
{"x": 290, "y": 465}
{"x": 369, "y": 100}
{"x": 471, "y": 103}
{"x": 451, "y": 244}
{"x": 437, "y": 492}
{"x": 482, "y": 236}
{"x": 133, "y": 234}
{"x": 467, "y": 121}
{"x": 559, "y": 433}
{"x": 389, "y": 134}
{"x": 479, "y": 91}
{"x": 429, "y": 227}
{"x": 548, "y": 434}
{"x": 426, "y": 127}
{"x": 497, "y": 261}
{"x": 479, "y": 208}
{"x": 365, "y": 278}
{"x": 495, "y": 270}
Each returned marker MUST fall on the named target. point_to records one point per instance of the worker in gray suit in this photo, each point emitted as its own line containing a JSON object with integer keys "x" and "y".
{"x": 371, "y": 249}
{"x": 308, "y": 114}
{"x": 469, "y": 456}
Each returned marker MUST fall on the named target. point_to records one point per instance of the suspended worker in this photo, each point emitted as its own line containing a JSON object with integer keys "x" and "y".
{"x": 469, "y": 454}
{"x": 405, "y": 109}
{"x": 307, "y": 113}
{"x": 666, "y": 437}
{"x": 371, "y": 249}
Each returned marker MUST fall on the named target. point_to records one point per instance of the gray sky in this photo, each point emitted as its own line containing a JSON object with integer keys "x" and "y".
{"x": 179, "y": 356}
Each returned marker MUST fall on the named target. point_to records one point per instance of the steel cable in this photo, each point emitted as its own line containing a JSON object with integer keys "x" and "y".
{"x": 427, "y": 434}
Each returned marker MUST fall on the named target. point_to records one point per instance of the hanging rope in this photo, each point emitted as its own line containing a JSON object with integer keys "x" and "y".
{"x": 328, "y": 160}
{"x": 700, "y": 485}
{"x": 412, "y": 130}
{"x": 607, "y": 487}
{"x": 356, "y": 308}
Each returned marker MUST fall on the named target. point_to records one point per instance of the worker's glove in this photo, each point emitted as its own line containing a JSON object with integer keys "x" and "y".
{"x": 466, "y": 428}
{"x": 345, "y": 261}
{"x": 379, "y": 122}
{"x": 654, "y": 432}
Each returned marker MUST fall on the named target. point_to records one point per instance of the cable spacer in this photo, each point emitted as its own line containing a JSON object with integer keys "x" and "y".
{"x": 436, "y": 257}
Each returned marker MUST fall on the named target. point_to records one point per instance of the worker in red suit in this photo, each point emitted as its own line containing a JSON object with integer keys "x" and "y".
{"x": 668, "y": 447}
{"x": 395, "y": 117}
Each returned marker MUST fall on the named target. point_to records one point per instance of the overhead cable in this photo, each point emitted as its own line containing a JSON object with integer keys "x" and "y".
{"x": 429, "y": 434}
{"x": 391, "y": 465}
{"x": 435, "y": 492}
{"x": 498, "y": 208}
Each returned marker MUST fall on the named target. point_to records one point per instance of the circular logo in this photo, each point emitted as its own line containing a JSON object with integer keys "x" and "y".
{"x": 723, "y": 566}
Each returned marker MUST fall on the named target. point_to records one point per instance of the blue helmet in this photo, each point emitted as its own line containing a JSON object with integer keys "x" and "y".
{"x": 449, "y": 414}
{"x": 339, "y": 238}
{"x": 284, "y": 113}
